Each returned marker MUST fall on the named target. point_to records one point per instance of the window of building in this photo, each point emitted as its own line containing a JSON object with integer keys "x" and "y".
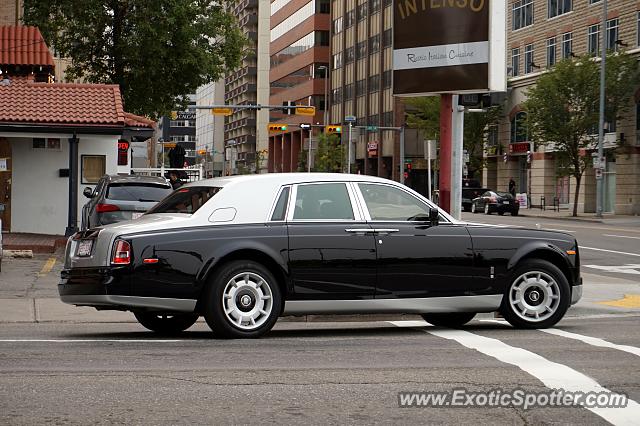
{"x": 373, "y": 120}
{"x": 323, "y": 6}
{"x": 387, "y": 119}
{"x": 612, "y": 34}
{"x": 362, "y": 11}
{"x": 519, "y": 131}
{"x": 46, "y": 143}
{"x": 594, "y": 1}
{"x": 349, "y": 18}
{"x": 593, "y": 40}
{"x": 374, "y": 6}
{"x": 336, "y": 95}
{"x": 558, "y": 7}
{"x": 191, "y": 138}
{"x": 93, "y": 168}
{"x": 360, "y": 87}
{"x": 316, "y": 38}
{"x": 374, "y": 43}
{"x": 492, "y": 137}
{"x": 177, "y": 123}
{"x": 350, "y": 55}
{"x": 528, "y": 58}
{"x": 361, "y": 50}
{"x": 191, "y": 123}
{"x": 551, "y": 51}
{"x": 348, "y": 92}
{"x": 386, "y": 79}
{"x": 515, "y": 62}
{"x": 522, "y": 14}
{"x": 296, "y": 18}
{"x": 387, "y": 3}
{"x": 337, "y": 60}
{"x": 387, "y": 38}
{"x": 337, "y": 25}
{"x": 567, "y": 45}
{"x": 374, "y": 83}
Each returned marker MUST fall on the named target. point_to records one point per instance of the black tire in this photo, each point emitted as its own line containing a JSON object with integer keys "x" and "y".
{"x": 501, "y": 213}
{"x": 166, "y": 323}
{"x": 449, "y": 319}
{"x": 216, "y": 307}
{"x": 487, "y": 208}
{"x": 549, "y": 274}
{"x": 514, "y": 213}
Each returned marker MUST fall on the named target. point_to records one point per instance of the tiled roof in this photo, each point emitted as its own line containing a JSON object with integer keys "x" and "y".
{"x": 133, "y": 120}
{"x": 20, "y": 45}
{"x": 64, "y": 104}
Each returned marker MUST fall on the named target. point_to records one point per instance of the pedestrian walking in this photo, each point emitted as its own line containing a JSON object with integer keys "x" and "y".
{"x": 512, "y": 186}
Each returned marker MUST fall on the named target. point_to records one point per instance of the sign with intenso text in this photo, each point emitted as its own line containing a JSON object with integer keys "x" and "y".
{"x": 448, "y": 46}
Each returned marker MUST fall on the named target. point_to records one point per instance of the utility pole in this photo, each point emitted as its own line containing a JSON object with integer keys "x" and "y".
{"x": 603, "y": 54}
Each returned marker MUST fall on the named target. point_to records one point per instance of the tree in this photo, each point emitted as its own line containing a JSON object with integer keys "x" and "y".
{"x": 157, "y": 51}
{"x": 424, "y": 114}
{"x": 330, "y": 154}
{"x": 563, "y": 108}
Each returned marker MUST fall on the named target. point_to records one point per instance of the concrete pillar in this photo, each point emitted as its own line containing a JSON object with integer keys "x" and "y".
{"x": 286, "y": 152}
{"x": 270, "y": 163}
{"x": 296, "y": 144}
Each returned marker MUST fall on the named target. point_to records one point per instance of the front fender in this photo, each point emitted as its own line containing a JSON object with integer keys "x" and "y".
{"x": 546, "y": 250}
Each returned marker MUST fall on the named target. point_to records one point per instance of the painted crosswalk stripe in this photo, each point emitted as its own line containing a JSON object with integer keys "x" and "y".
{"x": 593, "y": 341}
{"x": 87, "y": 341}
{"x": 551, "y": 374}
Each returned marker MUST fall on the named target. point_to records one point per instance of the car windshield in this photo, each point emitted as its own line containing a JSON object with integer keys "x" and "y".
{"x": 143, "y": 192}
{"x": 185, "y": 200}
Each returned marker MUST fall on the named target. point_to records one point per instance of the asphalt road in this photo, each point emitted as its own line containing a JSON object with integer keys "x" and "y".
{"x": 306, "y": 373}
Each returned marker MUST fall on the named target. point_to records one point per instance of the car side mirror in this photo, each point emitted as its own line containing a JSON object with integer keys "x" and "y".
{"x": 434, "y": 215}
{"x": 88, "y": 192}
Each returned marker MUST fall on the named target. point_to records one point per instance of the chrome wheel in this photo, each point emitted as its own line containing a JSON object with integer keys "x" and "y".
{"x": 247, "y": 301}
{"x": 486, "y": 209}
{"x": 534, "y": 296}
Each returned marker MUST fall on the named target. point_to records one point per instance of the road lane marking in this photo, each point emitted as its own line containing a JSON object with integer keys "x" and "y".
{"x": 556, "y": 230}
{"x": 551, "y": 374}
{"x": 629, "y": 301}
{"x": 87, "y": 341}
{"x": 623, "y": 269}
{"x": 620, "y": 236}
{"x": 47, "y": 267}
{"x": 609, "y": 251}
{"x": 593, "y": 341}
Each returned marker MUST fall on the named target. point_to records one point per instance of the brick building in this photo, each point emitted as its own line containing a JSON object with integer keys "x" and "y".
{"x": 540, "y": 33}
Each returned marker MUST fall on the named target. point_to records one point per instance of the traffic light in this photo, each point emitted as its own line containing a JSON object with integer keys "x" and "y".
{"x": 275, "y": 127}
{"x": 333, "y": 129}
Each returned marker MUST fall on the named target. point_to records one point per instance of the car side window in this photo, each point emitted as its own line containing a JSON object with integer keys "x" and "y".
{"x": 385, "y": 202}
{"x": 280, "y": 211}
{"x": 323, "y": 201}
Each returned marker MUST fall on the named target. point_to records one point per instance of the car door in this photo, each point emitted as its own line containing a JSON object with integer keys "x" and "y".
{"x": 332, "y": 254}
{"x": 415, "y": 259}
{"x": 90, "y": 207}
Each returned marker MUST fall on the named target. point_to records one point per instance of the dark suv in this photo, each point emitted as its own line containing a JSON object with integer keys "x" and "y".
{"x": 117, "y": 198}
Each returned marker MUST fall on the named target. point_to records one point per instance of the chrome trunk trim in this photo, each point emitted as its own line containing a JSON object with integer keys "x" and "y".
{"x": 156, "y": 303}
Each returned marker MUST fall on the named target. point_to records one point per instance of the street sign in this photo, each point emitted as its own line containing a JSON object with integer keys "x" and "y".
{"x": 305, "y": 126}
{"x": 306, "y": 110}
{"x": 372, "y": 128}
{"x": 221, "y": 111}
{"x": 350, "y": 119}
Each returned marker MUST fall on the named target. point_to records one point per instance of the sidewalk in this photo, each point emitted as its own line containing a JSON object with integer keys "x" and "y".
{"x": 38, "y": 243}
{"x": 607, "y": 218}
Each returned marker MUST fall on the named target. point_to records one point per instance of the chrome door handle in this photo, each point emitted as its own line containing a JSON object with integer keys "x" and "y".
{"x": 360, "y": 231}
{"x": 384, "y": 231}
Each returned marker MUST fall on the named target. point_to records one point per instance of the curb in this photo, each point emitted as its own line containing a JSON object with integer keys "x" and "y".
{"x": 23, "y": 254}
{"x": 570, "y": 218}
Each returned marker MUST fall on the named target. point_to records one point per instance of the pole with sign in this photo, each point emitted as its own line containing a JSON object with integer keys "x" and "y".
{"x": 349, "y": 119}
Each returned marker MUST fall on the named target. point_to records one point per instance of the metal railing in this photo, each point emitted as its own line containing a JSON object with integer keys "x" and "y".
{"x": 187, "y": 174}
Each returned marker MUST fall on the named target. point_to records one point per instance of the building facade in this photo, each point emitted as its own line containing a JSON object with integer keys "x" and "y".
{"x": 210, "y": 129}
{"x": 245, "y": 131}
{"x": 299, "y": 63}
{"x": 540, "y": 33}
{"x": 178, "y": 131}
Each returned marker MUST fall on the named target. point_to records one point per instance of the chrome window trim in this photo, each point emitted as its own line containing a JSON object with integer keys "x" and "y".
{"x": 419, "y": 198}
{"x": 294, "y": 194}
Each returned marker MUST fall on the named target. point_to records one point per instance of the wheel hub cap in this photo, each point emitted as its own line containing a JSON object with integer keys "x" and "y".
{"x": 247, "y": 301}
{"x": 534, "y": 296}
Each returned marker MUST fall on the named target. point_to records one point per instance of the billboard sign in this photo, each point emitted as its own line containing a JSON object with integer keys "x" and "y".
{"x": 448, "y": 46}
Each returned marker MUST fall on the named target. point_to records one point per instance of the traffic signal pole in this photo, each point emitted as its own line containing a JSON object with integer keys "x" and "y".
{"x": 446, "y": 134}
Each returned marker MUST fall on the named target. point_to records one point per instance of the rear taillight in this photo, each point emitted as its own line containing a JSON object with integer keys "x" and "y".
{"x": 121, "y": 253}
{"x": 103, "y": 208}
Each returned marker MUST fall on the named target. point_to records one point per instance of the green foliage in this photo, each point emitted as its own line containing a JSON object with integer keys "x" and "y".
{"x": 563, "y": 108}
{"x": 424, "y": 114}
{"x": 302, "y": 160}
{"x": 158, "y": 51}
{"x": 330, "y": 154}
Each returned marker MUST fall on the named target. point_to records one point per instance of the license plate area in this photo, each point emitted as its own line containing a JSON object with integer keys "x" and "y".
{"x": 505, "y": 202}
{"x": 84, "y": 248}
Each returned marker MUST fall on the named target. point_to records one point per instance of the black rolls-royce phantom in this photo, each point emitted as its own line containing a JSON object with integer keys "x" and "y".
{"x": 244, "y": 250}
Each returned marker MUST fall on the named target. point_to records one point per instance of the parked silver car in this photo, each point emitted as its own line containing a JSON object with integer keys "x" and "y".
{"x": 117, "y": 198}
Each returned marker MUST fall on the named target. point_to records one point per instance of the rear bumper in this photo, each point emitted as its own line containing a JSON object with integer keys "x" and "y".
{"x": 109, "y": 301}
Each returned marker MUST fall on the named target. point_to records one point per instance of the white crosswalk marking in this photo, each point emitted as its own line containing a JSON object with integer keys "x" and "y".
{"x": 623, "y": 269}
{"x": 593, "y": 341}
{"x": 552, "y": 374}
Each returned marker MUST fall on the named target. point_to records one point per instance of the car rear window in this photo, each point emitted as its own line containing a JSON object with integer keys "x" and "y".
{"x": 137, "y": 192}
{"x": 185, "y": 200}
